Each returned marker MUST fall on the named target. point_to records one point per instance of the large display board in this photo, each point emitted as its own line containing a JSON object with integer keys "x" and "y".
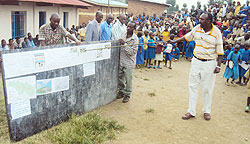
{"x": 44, "y": 86}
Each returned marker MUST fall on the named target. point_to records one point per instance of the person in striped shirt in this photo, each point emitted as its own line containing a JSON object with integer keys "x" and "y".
{"x": 206, "y": 63}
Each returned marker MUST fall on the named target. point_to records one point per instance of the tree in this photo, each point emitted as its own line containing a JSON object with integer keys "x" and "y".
{"x": 174, "y": 7}
{"x": 204, "y": 6}
{"x": 198, "y": 3}
{"x": 177, "y": 7}
{"x": 193, "y": 7}
{"x": 172, "y": 2}
{"x": 210, "y": 2}
{"x": 184, "y": 7}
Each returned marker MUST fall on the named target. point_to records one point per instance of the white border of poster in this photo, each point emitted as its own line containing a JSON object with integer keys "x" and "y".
{"x": 50, "y": 59}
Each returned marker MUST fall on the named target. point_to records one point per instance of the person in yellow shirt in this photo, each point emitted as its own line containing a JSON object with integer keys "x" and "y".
{"x": 82, "y": 32}
{"x": 145, "y": 45}
{"x": 247, "y": 75}
{"x": 166, "y": 33}
{"x": 237, "y": 9}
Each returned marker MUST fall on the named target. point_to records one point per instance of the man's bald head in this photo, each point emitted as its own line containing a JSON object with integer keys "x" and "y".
{"x": 99, "y": 16}
{"x": 122, "y": 18}
{"x": 55, "y": 16}
{"x": 54, "y": 20}
{"x": 110, "y": 18}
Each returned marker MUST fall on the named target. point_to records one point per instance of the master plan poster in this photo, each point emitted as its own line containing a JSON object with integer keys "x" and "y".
{"x": 19, "y": 89}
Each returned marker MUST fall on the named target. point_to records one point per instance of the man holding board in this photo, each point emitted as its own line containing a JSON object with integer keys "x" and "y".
{"x": 53, "y": 33}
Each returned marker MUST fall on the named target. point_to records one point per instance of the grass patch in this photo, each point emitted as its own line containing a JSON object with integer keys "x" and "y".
{"x": 3, "y": 118}
{"x": 152, "y": 94}
{"x": 150, "y": 111}
{"x": 90, "y": 129}
{"x": 146, "y": 79}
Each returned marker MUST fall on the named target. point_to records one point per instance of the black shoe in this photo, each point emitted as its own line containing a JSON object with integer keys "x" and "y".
{"x": 125, "y": 99}
{"x": 120, "y": 95}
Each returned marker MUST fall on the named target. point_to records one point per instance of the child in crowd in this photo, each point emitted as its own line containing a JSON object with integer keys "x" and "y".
{"x": 145, "y": 46}
{"x": 140, "y": 52}
{"x": 247, "y": 75}
{"x": 176, "y": 53}
{"x": 226, "y": 53}
{"x": 151, "y": 50}
{"x": 189, "y": 51}
{"x": 158, "y": 51}
{"x": 232, "y": 68}
{"x": 245, "y": 58}
{"x": 168, "y": 51}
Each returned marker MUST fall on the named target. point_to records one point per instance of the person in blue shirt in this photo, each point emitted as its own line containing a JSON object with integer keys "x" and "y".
{"x": 25, "y": 43}
{"x": 140, "y": 52}
{"x": 233, "y": 72}
{"x": 154, "y": 18}
{"x": 176, "y": 53}
{"x": 189, "y": 51}
{"x": 106, "y": 28}
{"x": 226, "y": 53}
{"x": 153, "y": 28}
{"x": 185, "y": 14}
{"x": 31, "y": 42}
{"x": 168, "y": 55}
{"x": 245, "y": 53}
{"x": 150, "y": 53}
{"x": 144, "y": 16}
{"x": 245, "y": 11}
{"x": 139, "y": 18}
{"x": 3, "y": 45}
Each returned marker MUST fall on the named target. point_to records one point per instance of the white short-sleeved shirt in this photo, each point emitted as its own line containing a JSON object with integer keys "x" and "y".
{"x": 208, "y": 45}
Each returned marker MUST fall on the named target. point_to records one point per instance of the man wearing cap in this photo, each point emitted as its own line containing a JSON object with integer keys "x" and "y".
{"x": 206, "y": 63}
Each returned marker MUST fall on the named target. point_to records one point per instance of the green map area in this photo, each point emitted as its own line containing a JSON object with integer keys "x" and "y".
{"x": 22, "y": 88}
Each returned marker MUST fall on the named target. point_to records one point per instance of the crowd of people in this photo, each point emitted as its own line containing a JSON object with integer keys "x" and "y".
{"x": 151, "y": 46}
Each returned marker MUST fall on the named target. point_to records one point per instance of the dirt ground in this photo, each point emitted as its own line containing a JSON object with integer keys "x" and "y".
{"x": 229, "y": 123}
{"x": 164, "y": 95}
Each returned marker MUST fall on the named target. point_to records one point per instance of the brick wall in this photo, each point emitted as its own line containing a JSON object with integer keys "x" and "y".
{"x": 86, "y": 15}
{"x": 138, "y": 7}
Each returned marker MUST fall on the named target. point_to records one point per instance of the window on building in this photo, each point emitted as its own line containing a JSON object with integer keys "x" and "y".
{"x": 18, "y": 22}
{"x": 42, "y": 18}
{"x": 65, "y": 19}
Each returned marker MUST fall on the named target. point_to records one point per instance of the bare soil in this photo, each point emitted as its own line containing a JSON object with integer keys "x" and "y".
{"x": 160, "y": 99}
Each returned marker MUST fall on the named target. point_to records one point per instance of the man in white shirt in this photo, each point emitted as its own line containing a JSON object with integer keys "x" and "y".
{"x": 206, "y": 63}
{"x": 119, "y": 28}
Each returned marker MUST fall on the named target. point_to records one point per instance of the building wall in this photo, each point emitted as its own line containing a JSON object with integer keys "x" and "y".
{"x": 86, "y": 15}
{"x": 32, "y": 17}
{"x": 138, "y": 7}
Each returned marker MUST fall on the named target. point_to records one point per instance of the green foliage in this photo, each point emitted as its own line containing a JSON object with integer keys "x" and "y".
{"x": 150, "y": 111}
{"x": 172, "y": 2}
{"x": 174, "y": 7}
{"x": 152, "y": 94}
{"x": 198, "y": 3}
{"x": 3, "y": 117}
{"x": 91, "y": 129}
{"x": 184, "y": 5}
{"x": 193, "y": 7}
{"x": 177, "y": 7}
{"x": 210, "y": 2}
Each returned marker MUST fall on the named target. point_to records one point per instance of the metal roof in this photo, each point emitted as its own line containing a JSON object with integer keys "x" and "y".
{"x": 156, "y": 2}
{"x": 112, "y": 3}
{"x": 61, "y": 2}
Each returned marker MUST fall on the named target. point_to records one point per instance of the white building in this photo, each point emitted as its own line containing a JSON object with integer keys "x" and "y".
{"x": 18, "y": 17}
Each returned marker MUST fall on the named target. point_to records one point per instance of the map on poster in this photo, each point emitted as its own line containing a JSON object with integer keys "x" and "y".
{"x": 19, "y": 89}
{"x": 47, "y": 86}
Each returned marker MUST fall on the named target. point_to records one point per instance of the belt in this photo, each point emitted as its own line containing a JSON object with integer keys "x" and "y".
{"x": 204, "y": 60}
